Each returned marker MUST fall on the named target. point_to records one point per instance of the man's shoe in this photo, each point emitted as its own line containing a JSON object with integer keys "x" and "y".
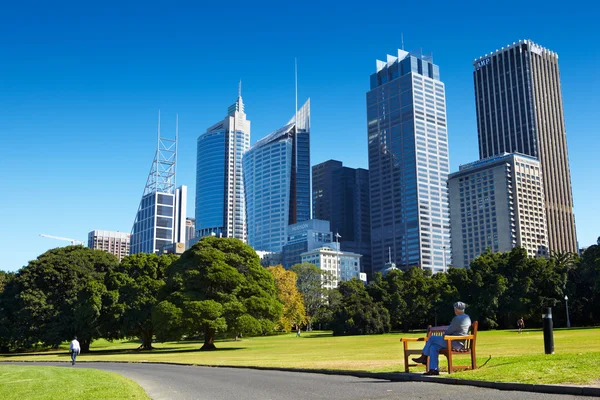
{"x": 72, "y": 362}
{"x": 421, "y": 360}
{"x": 432, "y": 372}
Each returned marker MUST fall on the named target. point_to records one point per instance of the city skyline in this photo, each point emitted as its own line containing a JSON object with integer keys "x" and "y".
{"x": 79, "y": 101}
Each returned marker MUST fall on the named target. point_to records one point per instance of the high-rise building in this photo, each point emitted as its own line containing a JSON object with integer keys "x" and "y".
{"x": 190, "y": 229}
{"x": 338, "y": 265}
{"x": 519, "y": 110}
{"x": 341, "y": 195}
{"x": 160, "y": 219}
{"x": 305, "y": 236}
{"x": 116, "y": 243}
{"x": 220, "y": 200}
{"x": 277, "y": 182}
{"x": 408, "y": 163}
{"x": 497, "y": 203}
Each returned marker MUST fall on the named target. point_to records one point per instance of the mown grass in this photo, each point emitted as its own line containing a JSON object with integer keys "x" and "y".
{"x": 18, "y": 382}
{"x": 502, "y": 355}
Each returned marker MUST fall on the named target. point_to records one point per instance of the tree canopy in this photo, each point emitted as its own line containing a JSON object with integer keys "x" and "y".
{"x": 218, "y": 285}
{"x": 310, "y": 285}
{"x": 289, "y": 296}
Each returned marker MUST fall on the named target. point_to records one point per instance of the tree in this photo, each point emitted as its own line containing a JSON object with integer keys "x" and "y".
{"x": 7, "y": 294}
{"x": 218, "y": 285}
{"x": 289, "y": 296}
{"x": 310, "y": 285}
{"x": 357, "y": 313}
{"x": 60, "y": 295}
{"x": 136, "y": 283}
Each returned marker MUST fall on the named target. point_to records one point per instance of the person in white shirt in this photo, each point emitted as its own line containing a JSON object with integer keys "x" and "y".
{"x": 75, "y": 349}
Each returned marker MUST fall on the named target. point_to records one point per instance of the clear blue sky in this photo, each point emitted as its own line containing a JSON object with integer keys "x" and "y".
{"x": 81, "y": 84}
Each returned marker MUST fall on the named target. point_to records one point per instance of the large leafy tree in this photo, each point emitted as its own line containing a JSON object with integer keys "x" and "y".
{"x": 218, "y": 285}
{"x": 61, "y": 294}
{"x": 357, "y": 313}
{"x": 310, "y": 285}
{"x": 135, "y": 285}
{"x": 289, "y": 296}
{"x": 7, "y": 309}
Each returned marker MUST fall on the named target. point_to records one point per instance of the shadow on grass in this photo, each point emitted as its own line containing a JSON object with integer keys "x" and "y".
{"x": 310, "y": 335}
{"x": 163, "y": 350}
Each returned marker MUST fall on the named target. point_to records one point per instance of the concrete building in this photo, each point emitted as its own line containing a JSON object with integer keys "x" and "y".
{"x": 305, "y": 236}
{"x": 277, "y": 183}
{"x": 519, "y": 110}
{"x": 497, "y": 203}
{"x": 340, "y": 195}
{"x": 408, "y": 163}
{"x": 190, "y": 229}
{"x": 116, "y": 243}
{"x": 339, "y": 265}
{"x": 220, "y": 196}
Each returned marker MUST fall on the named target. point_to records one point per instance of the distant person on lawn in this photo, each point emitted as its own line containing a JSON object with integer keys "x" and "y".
{"x": 458, "y": 327}
{"x": 75, "y": 350}
{"x": 520, "y": 324}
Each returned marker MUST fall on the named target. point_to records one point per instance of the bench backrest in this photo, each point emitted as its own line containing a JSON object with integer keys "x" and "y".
{"x": 439, "y": 331}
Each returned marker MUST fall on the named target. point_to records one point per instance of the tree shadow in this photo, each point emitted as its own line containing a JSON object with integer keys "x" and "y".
{"x": 310, "y": 335}
{"x": 106, "y": 352}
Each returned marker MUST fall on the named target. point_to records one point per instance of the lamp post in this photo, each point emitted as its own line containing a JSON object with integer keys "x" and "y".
{"x": 567, "y": 307}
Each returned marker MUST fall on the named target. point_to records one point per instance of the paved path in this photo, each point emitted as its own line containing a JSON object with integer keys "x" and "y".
{"x": 175, "y": 382}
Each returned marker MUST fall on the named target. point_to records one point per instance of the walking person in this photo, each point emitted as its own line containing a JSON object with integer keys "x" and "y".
{"x": 458, "y": 327}
{"x": 75, "y": 349}
{"x": 521, "y": 324}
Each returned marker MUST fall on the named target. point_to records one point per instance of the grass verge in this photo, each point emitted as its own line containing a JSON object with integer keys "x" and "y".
{"x": 56, "y": 383}
{"x": 502, "y": 355}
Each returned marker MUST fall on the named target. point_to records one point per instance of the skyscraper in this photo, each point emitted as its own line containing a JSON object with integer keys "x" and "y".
{"x": 160, "y": 220}
{"x": 497, "y": 203}
{"x": 277, "y": 182}
{"x": 519, "y": 110}
{"x": 116, "y": 243}
{"x": 341, "y": 196}
{"x": 408, "y": 163}
{"x": 220, "y": 200}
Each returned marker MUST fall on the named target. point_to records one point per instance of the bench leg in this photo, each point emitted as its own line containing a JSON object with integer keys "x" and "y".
{"x": 449, "y": 357}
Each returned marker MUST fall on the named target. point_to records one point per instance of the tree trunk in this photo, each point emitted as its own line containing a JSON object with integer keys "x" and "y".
{"x": 209, "y": 339}
{"x": 85, "y": 345}
{"x": 146, "y": 336}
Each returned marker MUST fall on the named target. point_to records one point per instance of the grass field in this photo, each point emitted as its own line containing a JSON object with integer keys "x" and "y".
{"x": 19, "y": 382}
{"x": 502, "y": 355}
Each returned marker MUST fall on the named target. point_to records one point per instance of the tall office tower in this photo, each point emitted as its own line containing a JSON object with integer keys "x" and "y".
{"x": 190, "y": 229}
{"x": 277, "y": 182}
{"x": 497, "y": 203}
{"x": 341, "y": 195}
{"x": 519, "y": 110}
{"x": 116, "y": 243}
{"x": 408, "y": 164}
{"x": 160, "y": 220}
{"x": 220, "y": 200}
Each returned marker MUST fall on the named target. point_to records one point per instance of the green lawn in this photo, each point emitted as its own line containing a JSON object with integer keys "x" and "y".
{"x": 514, "y": 357}
{"x": 19, "y": 382}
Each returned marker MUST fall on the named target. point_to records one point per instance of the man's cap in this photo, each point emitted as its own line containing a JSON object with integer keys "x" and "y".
{"x": 459, "y": 305}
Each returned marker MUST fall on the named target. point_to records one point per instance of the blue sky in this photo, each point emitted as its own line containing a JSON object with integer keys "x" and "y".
{"x": 81, "y": 85}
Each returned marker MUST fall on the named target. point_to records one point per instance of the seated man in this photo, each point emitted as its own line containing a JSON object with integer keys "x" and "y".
{"x": 458, "y": 327}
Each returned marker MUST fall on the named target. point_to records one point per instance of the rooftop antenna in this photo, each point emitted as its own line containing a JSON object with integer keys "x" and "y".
{"x": 389, "y": 255}
{"x": 176, "y": 142}
{"x": 402, "y": 36}
{"x": 240, "y": 89}
{"x": 296, "y": 83}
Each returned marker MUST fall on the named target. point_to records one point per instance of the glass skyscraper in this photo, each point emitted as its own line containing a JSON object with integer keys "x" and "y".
{"x": 408, "y": 164}
{"x": 277, "y": 182}
{"x": 519, "y": 110}
{"x": 220, "y": 200}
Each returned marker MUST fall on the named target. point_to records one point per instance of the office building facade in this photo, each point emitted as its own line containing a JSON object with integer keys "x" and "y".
{"x": 408, "y": 164}
{"x": 116, "y": 243}
{"x": 519, "y": 110}
{"x": 190, "y": 229}
{"x": 220, "y": 199}
{"x": 497, "y": 203}
{"x": 277, "y": 183}
{"x": 305, "y": 236}
{"x": 340, "y": 195}
{"x": 338, "y": 265}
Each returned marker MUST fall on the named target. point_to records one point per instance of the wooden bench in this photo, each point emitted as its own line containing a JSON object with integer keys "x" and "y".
{"x": 470, "y": 341}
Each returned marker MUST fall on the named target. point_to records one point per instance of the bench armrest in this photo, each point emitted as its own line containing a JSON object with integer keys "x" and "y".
{"x": 458, "y": 337}
{"x": 410, "y": 339}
